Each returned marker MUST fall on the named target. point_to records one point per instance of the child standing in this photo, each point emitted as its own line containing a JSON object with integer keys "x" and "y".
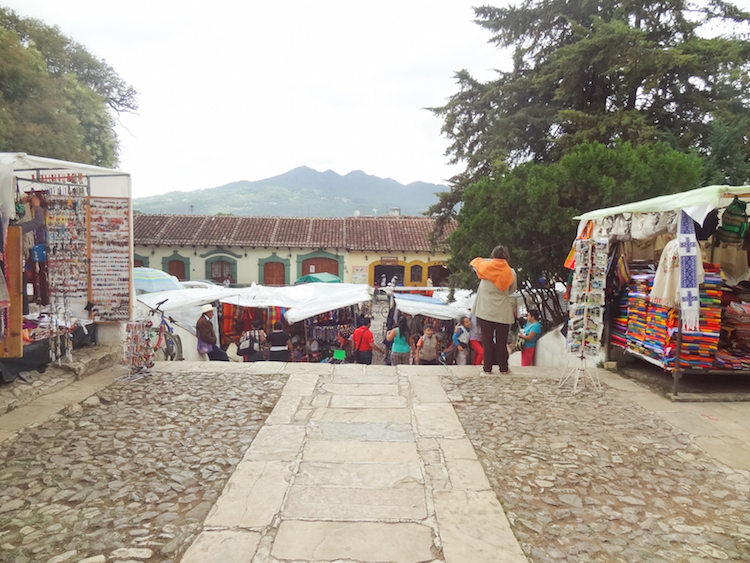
{"x": 428, "y": 347}
{"x": 475, "y": 341}
{"x": 530, "y": 334}
{"x": 461, "y": 338}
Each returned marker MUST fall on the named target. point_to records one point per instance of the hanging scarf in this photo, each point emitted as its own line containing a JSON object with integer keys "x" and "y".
{"x": 497, "y": 271}
{"x": 690, "y": 299}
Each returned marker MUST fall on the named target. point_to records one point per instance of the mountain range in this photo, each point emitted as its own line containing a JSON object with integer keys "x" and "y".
{"x": 302, "y": 192}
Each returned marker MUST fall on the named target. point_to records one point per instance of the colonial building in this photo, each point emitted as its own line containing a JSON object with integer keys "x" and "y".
{"x": 278, "y": 250}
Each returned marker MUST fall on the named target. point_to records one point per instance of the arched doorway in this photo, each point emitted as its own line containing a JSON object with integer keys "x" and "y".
{"x": 319, "y": 265}
{"x": 438, "y": 274}
{"x": 176, "y": 268}
{"x": 273, "y": 273}
{"x": 390, "y": 272}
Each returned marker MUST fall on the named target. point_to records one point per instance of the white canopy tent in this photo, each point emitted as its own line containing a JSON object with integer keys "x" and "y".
{"x": 102, "y": 182}
{"x": 303, "y": 301}
{"x": 435, "y": 309}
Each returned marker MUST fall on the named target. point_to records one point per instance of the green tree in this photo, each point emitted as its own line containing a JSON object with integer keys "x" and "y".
{"x": 57, "y": 99}
{"x": 615, "y": 70}
{"x": 530, "y": 208}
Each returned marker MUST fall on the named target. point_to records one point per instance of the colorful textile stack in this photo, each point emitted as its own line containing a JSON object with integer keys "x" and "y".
{"x": 737, "y": 317}
{"x": 737, "y": 325}
{"x": 699, "y": 347}
{"x": 638, "y": 292}
{"x": 660, "y": 331}
{"x": 619, "y": 335}
{"x": 732, "y": 359}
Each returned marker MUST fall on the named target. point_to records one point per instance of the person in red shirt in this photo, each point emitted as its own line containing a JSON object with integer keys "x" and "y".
{"x": 363, "y": 343}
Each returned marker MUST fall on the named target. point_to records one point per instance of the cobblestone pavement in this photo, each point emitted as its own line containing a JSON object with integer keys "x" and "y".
{"x": 595, "y": 477}
{"x": 86, "y": 360}
{"x": 130, "y": 473}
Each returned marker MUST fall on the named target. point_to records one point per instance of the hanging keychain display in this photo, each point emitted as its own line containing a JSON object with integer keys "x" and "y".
{"x": 109, "y": 228}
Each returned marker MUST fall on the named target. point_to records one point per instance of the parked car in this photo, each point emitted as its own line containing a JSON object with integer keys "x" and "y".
{"x": 202, "y": 284}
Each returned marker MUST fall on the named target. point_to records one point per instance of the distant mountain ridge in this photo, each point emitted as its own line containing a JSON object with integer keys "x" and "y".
{"x": 301, "y": 192}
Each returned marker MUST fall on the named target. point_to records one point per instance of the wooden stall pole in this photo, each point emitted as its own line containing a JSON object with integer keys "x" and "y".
{"x": 13, "y": 347}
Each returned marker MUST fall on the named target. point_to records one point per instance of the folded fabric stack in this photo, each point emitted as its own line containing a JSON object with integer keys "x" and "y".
{"x": 659, "y": 332}
{"x": 737, "y": 317}
{"x": 732, "y": 359}
{"x": 638, "y": 292}
{"x": 699, "y": 347}
{"x": 619, "y": 335}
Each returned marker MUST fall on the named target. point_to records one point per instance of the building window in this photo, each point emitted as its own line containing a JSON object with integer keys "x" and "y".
{"x": 221, "y": 270}
{"x": 138, "y": 263}
{"x": 415, "y": 275}
{"x": 176, "y": 268}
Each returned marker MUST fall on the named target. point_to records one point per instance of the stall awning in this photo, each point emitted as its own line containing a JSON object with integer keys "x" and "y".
{"x": 428, "y": 307}
{"x": 707, "y": 199}
{"x": 303, "y": 301}
{"x": 102, "y": 182}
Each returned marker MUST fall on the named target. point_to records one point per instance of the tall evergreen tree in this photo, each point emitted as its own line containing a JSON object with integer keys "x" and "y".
{"x": 639, "y": 71}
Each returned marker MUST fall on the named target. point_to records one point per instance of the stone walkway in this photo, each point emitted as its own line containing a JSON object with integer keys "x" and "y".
{"x": 359, "y": 463}
{"x": 370, "y": 464}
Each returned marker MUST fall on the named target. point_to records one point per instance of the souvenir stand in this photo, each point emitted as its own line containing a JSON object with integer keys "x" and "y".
{"x": 76, "y": 259}
{"x": 311, "y": 312}
{"x": 324, "y": 325}
{"x": 677, "y": 290}
{"x": 586, "y": 311}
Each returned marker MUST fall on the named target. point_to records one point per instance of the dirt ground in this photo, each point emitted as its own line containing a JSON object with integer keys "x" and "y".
{"x": 662, "y": 382}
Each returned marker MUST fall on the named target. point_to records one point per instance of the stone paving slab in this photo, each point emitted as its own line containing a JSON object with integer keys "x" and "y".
{"x": 276, "y": 443}
{"x": 252, "y": 496}
{"x": 438, "y": 419}
{"x": 361, "y": 431}
{"x": 301, "y": 384}
{"x": 473, "y": 528}
{"x": 359, "y": 541}
{"x": 341, "y": 503}
{"x": 353, "y": 402}
{"x": 358, "y": 452}
{"x": 359, "y": 475}
{"x": 402, "y": 416}
{"x": 222, "y": 546}
{"x": 359, "y": 389}
{"x": 427, "y": 389}
{"x": 373, "y": 379}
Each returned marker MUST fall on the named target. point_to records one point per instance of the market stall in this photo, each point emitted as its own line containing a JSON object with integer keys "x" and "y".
{"x": 67, "y": 254}
{"x": 669, "y": 276}
{"x": 311, "y": 311}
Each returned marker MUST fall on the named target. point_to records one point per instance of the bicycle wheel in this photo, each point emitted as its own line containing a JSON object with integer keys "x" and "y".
{"x": 170, "y": 348}
{"x": 177, "y": 342}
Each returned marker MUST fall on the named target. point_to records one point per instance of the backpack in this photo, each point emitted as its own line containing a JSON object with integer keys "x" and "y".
{"x": 733, "y": 222}
{"x": 248, "y": 344}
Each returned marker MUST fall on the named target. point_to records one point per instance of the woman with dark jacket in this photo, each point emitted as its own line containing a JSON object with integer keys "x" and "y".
{"x": 281, "y": 344}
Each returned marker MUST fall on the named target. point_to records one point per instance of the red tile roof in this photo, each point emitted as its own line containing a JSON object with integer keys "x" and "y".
{"x": 352, "y": 233}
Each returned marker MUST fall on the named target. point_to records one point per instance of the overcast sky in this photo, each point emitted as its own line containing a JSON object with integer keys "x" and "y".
{"x": 233, "y": 90}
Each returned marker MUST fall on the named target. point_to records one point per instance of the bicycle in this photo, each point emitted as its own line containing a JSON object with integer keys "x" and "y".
{"x": 169, "y": 345}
